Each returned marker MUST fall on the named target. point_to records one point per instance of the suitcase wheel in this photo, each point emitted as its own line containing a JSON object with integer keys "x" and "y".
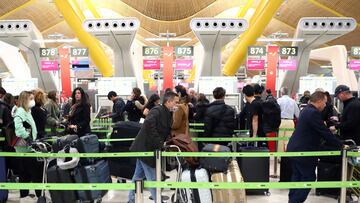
{"x": 267, "y": 193}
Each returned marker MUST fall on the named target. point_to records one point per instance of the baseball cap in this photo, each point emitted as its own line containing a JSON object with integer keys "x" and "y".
{"x": 341, "y": 88}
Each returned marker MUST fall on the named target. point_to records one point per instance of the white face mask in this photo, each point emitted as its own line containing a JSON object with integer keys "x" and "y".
{"x": 31, "y": 103}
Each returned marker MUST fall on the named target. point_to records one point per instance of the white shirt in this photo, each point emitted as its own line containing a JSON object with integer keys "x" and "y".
{"x": 288, "y": 107}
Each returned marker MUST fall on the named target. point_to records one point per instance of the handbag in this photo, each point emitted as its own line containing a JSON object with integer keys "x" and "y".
{"x": 21, "y": 142}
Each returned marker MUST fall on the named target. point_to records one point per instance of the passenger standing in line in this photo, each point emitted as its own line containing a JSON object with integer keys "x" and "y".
{"x": 135, "y": 105}
{"x": 118, "y": 107}
{"x": 25, "y": 130}
{"x": 219, "y": 118}
{"x": 192, "y": 103}
{"x": 350, "y": 119}
{"x": 152, "y": 136}
{"x": 5, "y": 118}
{"x": 52, "y": 107}
{"x": 254, "y": 112}
{"x": 16, "y": 105}
{"x": 329, "y": 111}
{"x": 181, "y": 117}
{"x": 289, "y": 111}
{"x": 153, "y": 101}
{"x": 2, "y": 93}
{"x": 79, "y": 115}
{"x": 40, "y": 114}
{"x": 308, "y": 136}
{"x": 305, "y": 98}
{"x": 201, "y": 106}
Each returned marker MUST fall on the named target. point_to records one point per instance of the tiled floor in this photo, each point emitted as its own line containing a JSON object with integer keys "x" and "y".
{"x": 277, "y": 196}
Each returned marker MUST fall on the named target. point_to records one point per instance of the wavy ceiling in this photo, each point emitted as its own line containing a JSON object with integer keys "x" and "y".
{"x": 154, "y": 26}
{"x": 169, "y": 10}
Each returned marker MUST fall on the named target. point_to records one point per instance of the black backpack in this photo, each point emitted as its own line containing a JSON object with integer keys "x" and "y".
{"x": 271, "y": 115}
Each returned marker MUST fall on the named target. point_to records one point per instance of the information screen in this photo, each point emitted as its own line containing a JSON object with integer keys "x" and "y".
{"x": 208, "y": 84}
{"x": 312, "y": 83}
{"x": 16, "y": 86}
{"x": 122, "y": 85}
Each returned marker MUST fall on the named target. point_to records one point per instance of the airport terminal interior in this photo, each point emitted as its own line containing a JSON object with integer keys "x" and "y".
{"x": 183, "y": 101}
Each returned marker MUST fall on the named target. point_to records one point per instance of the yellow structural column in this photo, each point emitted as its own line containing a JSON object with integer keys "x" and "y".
{"x": 97, "y": 53}
{"x": 242, "y": 11}
{"x": 92, "y": 8}
{"x": 249, "y": 37}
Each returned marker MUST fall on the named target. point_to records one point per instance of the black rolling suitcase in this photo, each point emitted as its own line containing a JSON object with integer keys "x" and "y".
{"x": 123, "y": 167}
{"x": 88, "y": 144}
{"x": 96, "y": 173}
{"x": 328, "y": 172}
{"x": 3, "y": 170}
{"x": 285, "y": 169}
{"x": 255, "y": 169}
{"x": 125, "y": 129}
{"x": 56, "y": 175}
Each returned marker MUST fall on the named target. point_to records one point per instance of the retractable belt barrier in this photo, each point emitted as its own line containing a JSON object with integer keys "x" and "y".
{"x": 198, "y": 185}
{"x": 176, "y": 154}
{"x": 191, "y": 130}
{"x": 203, "y": 139}
{"x": 139, "y": 185}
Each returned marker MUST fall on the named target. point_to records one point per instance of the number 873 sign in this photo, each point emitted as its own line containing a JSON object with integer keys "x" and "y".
{"x": 283, "y": 51}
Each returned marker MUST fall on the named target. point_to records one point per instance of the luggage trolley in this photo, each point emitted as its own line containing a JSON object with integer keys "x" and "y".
{"x": 179, "y": 195}
{"x": 40, "y": 146}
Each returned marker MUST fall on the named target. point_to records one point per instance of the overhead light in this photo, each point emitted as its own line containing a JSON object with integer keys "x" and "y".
{"x": 55, "y": 40}
{"x": 167, "y": 39}
{"x": 280, "y": 40}
{"x": 326, "y": 66}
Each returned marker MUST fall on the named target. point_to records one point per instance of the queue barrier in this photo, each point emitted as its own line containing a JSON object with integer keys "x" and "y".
{"x": 174, "y": 154}
{"x": 191, "y": 130}
{"x": 139, "y": 185}
{"x": 192, "y": 185}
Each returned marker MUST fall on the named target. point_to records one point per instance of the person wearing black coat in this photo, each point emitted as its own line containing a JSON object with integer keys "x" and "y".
{"x": 201, "y": 107}
{"x": 350, "y": 119}
{"x": 135, "y": 105}
{"x": 152, "y": 136}
{"x": 118, "y": 107}
{"x": 79, "y": 116}
{"x": 219, "y": 118}
{"x": 41, "y": 115}
{"x": 5, "y": 120}
{"x": 309, "y": 134}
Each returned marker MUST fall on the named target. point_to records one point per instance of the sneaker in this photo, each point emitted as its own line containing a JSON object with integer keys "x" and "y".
{"x": 27, "y": 199}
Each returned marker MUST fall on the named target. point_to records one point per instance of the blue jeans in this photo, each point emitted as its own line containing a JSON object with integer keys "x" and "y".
{"x": 301, "y": 172}
{"x": 143, "y": 171}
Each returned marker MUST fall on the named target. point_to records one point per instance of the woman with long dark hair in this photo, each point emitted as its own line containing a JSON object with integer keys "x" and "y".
{"x": 135, "y": 105}
{"x": 79, "y": 116}
{"x": 153, "y": 101}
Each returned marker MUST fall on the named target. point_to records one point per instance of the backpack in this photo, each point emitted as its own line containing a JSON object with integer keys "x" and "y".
{"x": 271, "y": 115}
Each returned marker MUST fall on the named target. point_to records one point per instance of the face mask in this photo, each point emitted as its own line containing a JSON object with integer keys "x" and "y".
{"x": 31, "y": 103}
